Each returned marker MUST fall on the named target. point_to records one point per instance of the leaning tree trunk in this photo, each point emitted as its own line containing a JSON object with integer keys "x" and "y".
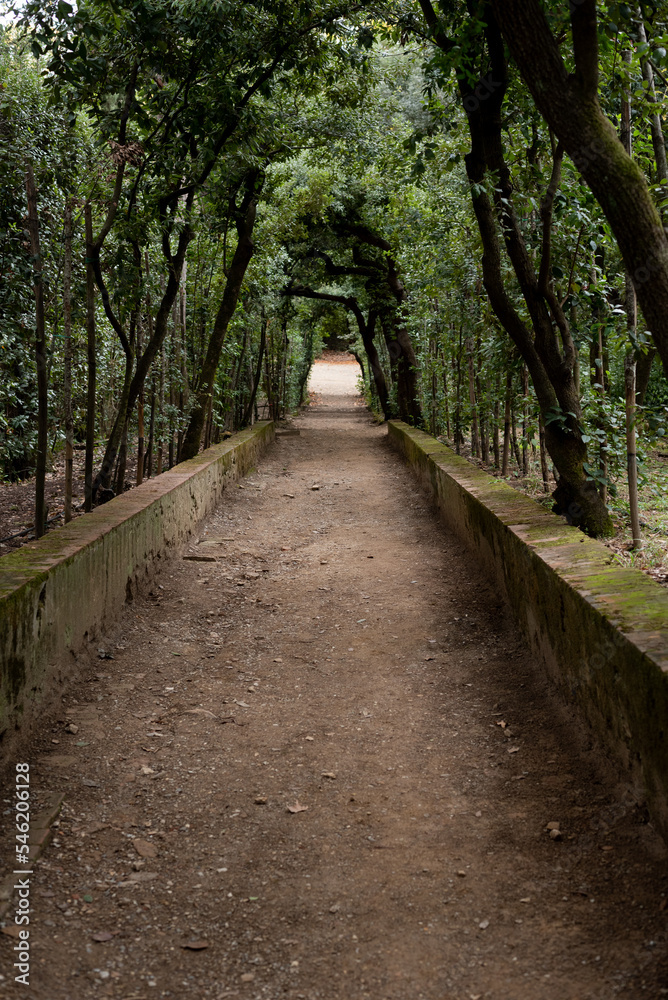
{"x": 547, "y": 348}
{"x": 237, "y": 271}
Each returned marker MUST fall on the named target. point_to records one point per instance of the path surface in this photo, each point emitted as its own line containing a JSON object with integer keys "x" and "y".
{"x": 364, "y": 813}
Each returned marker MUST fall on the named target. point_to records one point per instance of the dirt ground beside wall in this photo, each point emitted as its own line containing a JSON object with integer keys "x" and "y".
{"x": 317, "y": 762}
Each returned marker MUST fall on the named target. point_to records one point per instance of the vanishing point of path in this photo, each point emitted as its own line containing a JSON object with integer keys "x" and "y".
{"x": 319, "y": 763}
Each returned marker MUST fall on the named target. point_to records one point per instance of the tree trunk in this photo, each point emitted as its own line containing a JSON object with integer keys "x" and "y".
{"x": 547, "y": 348}
{"x": 506, "y": 425}
{"x": 240, "y": 261}
{"x": 148, "y": 462}
{"x": 258, "y": 374}
{"x": 40, "y": 354}
{"x": 140, "y": 423}
{"x": 102, "y": 480}
{"x": 67, "y": 359}
{"x": 122, "y": 461}
{"x": 445, "y": 392}
{"x": 497, "y": 413}
{"x": 91, "y": 361}
{"x": 543, "y": 456}
{"x": 475, "y": 442}
{"x": 525, "y": 421}
{"x": 161, "y": 413}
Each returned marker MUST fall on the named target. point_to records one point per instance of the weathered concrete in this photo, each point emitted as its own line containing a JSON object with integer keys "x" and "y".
{"x": 600, "y": 630}
{"x": 57, "y": 593}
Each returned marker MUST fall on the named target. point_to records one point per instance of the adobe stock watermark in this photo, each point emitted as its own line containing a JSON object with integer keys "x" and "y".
{"x": 23, "y": 868}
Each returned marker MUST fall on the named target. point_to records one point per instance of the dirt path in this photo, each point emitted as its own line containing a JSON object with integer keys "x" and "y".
{"x": 364, "y": 814}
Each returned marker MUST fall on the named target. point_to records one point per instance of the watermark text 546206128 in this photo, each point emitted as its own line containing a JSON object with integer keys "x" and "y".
{"x": 23, "y": 870}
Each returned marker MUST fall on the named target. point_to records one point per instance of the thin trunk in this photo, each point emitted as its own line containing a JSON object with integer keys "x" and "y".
{"x": 458, "y": 396}
{"x": 543, "y": 455}
{"x": 631, "y": 446}
{"x": 148, "y": 463}
{"x": 91, "y": 362}
{"x": 40, "y": 354}
{"x": 445, "y": 392}
{"x": 525, "y": 421}
{"x": 67, "y": 359}
{"x": 475, "y": 441}
{"x": 497, "y": 408}
{"x": 140, "y": 421}
{"x": 506, "y": 425}
{"x": 513, "y": 439}
{"x": 161, "y": 413}
{"x": 122, "y": 461}
{"x": 258, "y": 375}
{"x": 656, "y": 126}
{"x": 632, "y": 308}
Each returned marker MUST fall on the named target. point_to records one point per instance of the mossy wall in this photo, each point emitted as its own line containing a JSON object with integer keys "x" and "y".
{"x": 599, "y": 629}
{"x": 58, "y": 593}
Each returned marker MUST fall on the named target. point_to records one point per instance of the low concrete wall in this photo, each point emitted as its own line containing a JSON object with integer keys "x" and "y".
{"x": 600, "y": 630}
{"x": 58, "y": 593}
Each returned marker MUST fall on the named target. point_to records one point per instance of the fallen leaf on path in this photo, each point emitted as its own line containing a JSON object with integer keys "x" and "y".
{"x": 297, "y": 807}
{"x": 95, "y": 827}
{"x": 145, "y": 849}
{"x": 195, "y": 945}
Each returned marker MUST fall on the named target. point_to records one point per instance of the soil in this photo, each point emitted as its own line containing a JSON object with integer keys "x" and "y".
{"x": 316, "y": 761}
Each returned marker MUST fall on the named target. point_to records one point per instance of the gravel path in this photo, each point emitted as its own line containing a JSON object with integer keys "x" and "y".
{"x": 321, "y": 764}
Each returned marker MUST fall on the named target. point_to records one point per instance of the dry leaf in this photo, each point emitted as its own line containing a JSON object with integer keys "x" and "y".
{"x": 297, "y": 807}
{"x": 145, "y": 849}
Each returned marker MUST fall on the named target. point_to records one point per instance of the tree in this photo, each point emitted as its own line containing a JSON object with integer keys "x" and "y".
{"x": 570, "y": 104}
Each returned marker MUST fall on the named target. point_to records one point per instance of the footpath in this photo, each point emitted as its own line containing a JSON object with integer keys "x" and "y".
{"x": 317, "y": 762}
